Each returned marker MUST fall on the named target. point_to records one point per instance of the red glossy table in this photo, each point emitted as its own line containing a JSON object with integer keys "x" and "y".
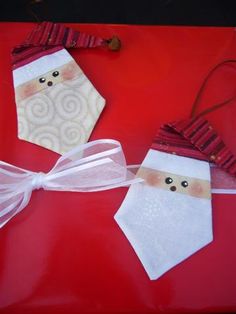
{"x": 65, "y": 253}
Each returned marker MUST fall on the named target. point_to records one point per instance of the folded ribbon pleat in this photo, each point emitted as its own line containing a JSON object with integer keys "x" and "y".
{"x": 95, "y": 166}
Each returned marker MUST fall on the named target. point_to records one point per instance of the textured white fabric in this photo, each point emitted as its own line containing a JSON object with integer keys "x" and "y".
{"x": 163, "y": 226}
{"x": 40, "y": 66}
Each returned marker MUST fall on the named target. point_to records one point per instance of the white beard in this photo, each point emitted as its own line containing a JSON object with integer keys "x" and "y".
{"x": 164, "y": 227}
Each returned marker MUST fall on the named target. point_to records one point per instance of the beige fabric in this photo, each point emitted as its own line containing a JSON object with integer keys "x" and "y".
{"x": 61, "y": 116}
{"x": 195, "y": 187}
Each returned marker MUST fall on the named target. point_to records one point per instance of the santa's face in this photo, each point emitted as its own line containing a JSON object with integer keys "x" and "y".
{"x": 175, "y": 183}
{"x": 57, "y": 106}
{"x": 168, "y": 217}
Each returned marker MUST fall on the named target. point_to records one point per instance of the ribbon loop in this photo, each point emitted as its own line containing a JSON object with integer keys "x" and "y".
{"x": 95, "y": 166}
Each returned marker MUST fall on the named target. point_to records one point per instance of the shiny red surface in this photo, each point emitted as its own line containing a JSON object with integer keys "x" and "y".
{"x": 65, "y": 253}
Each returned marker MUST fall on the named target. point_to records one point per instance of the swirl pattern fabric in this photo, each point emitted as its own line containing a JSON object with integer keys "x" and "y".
{"x": 57, "y": 109}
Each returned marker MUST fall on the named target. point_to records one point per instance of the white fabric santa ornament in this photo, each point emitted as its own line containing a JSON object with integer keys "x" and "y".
{"x": 57, "y": 105}
{"x": 168, "y": 217}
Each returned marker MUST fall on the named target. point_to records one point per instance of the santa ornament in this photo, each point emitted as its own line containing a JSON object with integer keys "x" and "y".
{"x": 168, "y": 217}
{"x": 57, "y": 105}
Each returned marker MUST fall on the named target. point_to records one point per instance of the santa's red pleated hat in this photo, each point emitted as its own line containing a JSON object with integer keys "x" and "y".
{"x": 195, "y": 138}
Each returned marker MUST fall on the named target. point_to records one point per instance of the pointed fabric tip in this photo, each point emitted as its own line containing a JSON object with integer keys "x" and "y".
{"x": 48, "y": 35}
{"x": 114, "y": 43}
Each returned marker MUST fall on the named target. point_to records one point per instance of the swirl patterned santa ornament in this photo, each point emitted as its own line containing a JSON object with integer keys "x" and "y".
{"x": 57, "y": 105}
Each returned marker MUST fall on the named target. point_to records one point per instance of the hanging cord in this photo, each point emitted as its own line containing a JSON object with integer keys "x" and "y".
{"x": 202, "y": 88}
{"x": 33, "y": 5}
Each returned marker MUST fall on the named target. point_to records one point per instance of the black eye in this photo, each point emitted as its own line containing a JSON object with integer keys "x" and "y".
{"x": 42, "y": 80}
{"x": 168, "y": 180}
{"x": 184, "y": 184}
{"x": 55, "y": 73}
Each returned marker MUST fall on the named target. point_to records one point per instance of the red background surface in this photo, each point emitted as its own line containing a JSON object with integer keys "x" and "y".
{"x": 65, "y": 253}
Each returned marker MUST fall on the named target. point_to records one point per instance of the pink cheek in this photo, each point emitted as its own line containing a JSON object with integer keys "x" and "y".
{"x": 153, "y": 179}
{"x": 196, "y": 189}
{"x": 68, "y": 73}
{"x": 29, "y": 90}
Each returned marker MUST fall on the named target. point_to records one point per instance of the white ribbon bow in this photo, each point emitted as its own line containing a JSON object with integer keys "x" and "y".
{"x": 95, "y": 166}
